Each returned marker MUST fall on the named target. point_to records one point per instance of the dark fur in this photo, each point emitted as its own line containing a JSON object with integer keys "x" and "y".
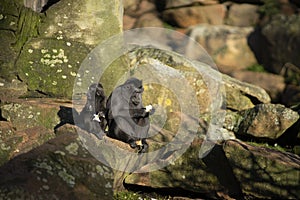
{"x": 95, "y": 104}
{"x": 126, "y": 117}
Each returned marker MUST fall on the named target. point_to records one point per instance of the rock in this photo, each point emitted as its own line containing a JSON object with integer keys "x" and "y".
{"x": 267, "y": 121}
{"x": 128, "y": 22}
{"x": 27, "y": 124}
{"x": 8, "y": 27}
{"x": 262, "y": 172}
{"x": 30, "y": 113}
{"x": 185, "y": 17}
{"x": 228, "y": 169}
{"x": 242, "y": 15}
{"x": 137, "y": 8}
{"x": 291, "y": 95}
{"x": 187, "y": 173}
{"x": 280, "y": 32}
{"x": 272, "y": 83}
{"x": 227, "y": 45}
{"x": 59, "y": 169}
{"x": 138, "y": 14}
{"x": 86, "y": 22}
{"x": 11, "y": 89}
{"x": 40, "y": 47}
{"x": 148, "y": 20}
{"x": 8, "y": 141}
{"x": 36, "y": 5}
{"x": 184, "y": 3}
{"x": 48, "y": 64}
{"x": 239, "y": 95}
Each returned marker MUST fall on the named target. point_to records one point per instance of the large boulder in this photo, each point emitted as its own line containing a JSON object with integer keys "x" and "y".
{"x": 272, "y": 83}
{"x": 206, "y": 84}
{"x": 242, "y": 15}
{"x": 9, "y": 18}
{"x": 59, "y": 169}
{"x": 264, "y": 121}
{"x": 235, "y": 170}
{"x": 281, "y": 32}
{"x": 27, "y": 124}
{"x": 227, "y": 45}
{"x": 185, "y": 17}
{"x": 42, "y": 52}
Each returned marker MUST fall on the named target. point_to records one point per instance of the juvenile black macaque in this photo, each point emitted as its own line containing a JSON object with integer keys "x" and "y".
{"x": 127, "y": 118}
{"x": 92, "y": 115}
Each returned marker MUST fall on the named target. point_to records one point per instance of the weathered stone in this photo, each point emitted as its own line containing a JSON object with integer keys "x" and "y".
{"x": 242, "y": 15}
{"x": 273, "y": 84}
{"x": 128, "y": 22}
{"x": 188, "y": 16}
{"x": 8, "y": 27}
{"x": 148, "y": 20}
{"x": 262, "y": 172}
{"x": 268, "y": 42}
{"x": 181, "y": 3}
{"x": 291, "y": 95}
{"x": 188, "y": 173}
{"x": 241, "y": 95}
{"x": 88, "y": 22}
{"x": 207, "y": 83}
{"x": 138, "y": 8}
{"x": 30, "y": 113}
{"x": 12, "y": 89}
{"x": 47, "y": 62}
{"x": 267, "y": 121}
{"x": 59, "y": 169}
{"x": 8, "y": 141}
{"x": 227, "y": 45}
{"x": 36, "y": 5}
{"x": 234, "y": 169}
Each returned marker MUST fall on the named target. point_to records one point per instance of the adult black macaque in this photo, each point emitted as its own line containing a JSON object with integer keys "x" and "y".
{"x": 127, "y": 118}
{"x": 92, "y": 116}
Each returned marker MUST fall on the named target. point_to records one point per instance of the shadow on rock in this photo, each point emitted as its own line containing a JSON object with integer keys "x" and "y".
{"x": 66, "y": 116}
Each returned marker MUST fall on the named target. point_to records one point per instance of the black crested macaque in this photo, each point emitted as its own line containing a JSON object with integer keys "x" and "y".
{"x": 127, "y": 118}
{"x": 92, "y": 115}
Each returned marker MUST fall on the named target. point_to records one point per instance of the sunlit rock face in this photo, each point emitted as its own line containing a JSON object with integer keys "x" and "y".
{"x": 47, "y": 48}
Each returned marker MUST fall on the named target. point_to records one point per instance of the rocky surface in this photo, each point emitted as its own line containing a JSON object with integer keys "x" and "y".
{"x": 246, "y": 36}
{"x": 229, "y": 169}
{"x": 280, "y": 32}
{"x": 49, "y": 156}
{"x": 40, "y": 46}
{"x": 272, "y": 83}
{"x": 59, "y": 169}
{"x": 236, "y": 144}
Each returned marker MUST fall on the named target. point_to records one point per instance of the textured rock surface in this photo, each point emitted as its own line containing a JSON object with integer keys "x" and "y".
{"x": 51, "y": 46}
{"x": 188, "y": 16}
{"x": 242, "y": 15}
{"x": 59, "y": 169}
{"x": 239, "y": 95}
{"x": 27, "y": 124}
{"x": 262, "y": 172}
{"x": 227, "y": 45}
{"x": 281, "y": 32}
{"x": 267, "y": 120}
{"x": 229, "y": 169}
{"x": 272, "y": 83}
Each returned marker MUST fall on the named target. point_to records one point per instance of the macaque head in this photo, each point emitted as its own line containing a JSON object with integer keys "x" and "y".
{"x": 132, "y": 90}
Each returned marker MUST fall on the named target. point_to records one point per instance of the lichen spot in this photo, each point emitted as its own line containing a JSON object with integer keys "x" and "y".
{"x": 72, "y": 148}
{"x": 168, "y": 102}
